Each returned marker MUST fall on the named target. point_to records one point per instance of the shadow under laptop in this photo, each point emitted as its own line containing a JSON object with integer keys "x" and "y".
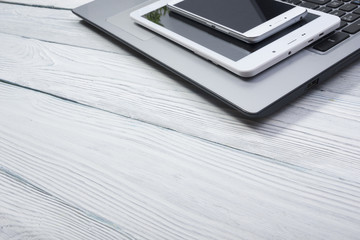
{"x": 326, "y": 98}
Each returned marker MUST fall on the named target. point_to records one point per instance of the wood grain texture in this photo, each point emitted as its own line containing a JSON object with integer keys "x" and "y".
{"x": 27, "y": 212}
{"x": 318, "y": 132}
{"x": 136, "y": 153}
{"x": 154, "y": 183}
{"x": 53, "y": 25}
{"x": 62, "y": 4}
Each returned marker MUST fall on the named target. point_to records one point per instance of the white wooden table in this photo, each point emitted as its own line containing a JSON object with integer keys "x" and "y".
{"x": 97, "y": 142}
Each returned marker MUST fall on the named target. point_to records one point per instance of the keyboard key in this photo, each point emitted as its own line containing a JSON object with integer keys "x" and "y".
{"x": 324, "y": 9}
{"x": 338, "y": 13}
{"x": 335, "y": 4}
{"x": 357, "y": 11}
{"x": 319, "y": 2}
{"x": 353, "y": 28}
{"x": 331, "y": 41}
{"x": 309, "y": 5}
{"x": 295, "y": 2}
{"x": 350, "y": 17}
{"x": 348, "y": 7}
{"x": 342, "y": 24}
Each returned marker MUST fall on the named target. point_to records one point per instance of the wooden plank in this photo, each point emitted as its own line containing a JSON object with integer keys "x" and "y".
{"x": 63, "y": 4}
{"x": 27, "y": 212}
{"x": 154, "y": 183}
{"x": 57, "y": 26}
{"x": 303, "y": 134}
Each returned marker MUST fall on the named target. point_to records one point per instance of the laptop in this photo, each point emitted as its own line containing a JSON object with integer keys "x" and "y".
{"x": 253, "y": 97}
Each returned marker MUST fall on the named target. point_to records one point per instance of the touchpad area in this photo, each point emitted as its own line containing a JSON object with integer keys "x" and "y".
{"x": 123, "y": 21}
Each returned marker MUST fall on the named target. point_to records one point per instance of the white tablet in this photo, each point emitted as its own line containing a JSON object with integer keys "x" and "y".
{"x": 243, "y": 59}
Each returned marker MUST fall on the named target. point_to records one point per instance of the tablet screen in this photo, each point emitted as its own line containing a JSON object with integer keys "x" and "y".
{"x": 214, "y": 40}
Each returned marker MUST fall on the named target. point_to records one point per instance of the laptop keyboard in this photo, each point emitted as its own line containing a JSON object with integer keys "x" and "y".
{"x": 347, "y": 10}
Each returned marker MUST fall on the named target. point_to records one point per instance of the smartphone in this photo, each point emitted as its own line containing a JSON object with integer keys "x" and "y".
{"x": 248, "y": 20}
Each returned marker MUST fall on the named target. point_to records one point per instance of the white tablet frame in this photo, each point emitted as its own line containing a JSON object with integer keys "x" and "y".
{"x": 257, "y": 61}
{"x": 253, "y": 35}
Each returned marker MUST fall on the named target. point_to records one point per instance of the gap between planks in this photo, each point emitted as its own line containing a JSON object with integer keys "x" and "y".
{"x": 28, "y": 212}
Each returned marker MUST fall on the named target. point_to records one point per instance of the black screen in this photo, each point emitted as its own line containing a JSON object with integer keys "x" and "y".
{"x": 214, "y": 40}
{"x": 240, "y": 15}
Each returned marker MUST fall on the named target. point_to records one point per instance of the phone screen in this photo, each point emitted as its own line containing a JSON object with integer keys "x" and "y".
{"x": 214, "y": 40}
{"x": 239, "y": 15}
